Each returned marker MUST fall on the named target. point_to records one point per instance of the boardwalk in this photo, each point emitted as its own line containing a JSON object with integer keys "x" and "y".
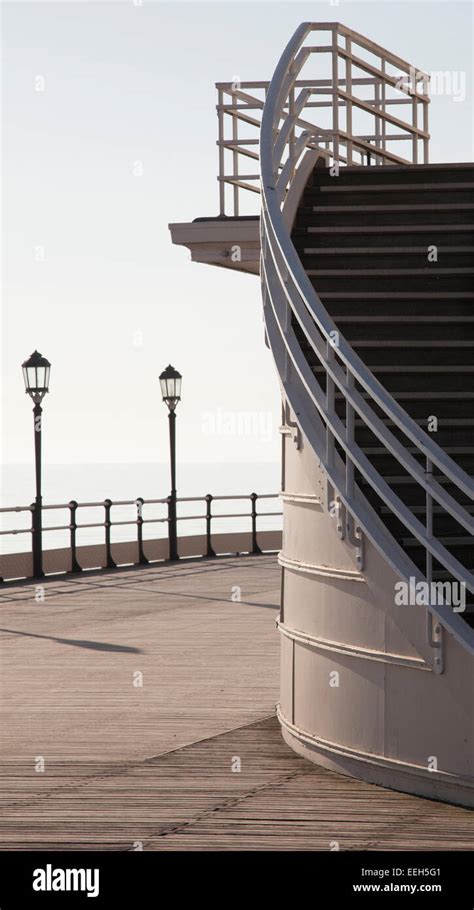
{"x": 150, "y": 765}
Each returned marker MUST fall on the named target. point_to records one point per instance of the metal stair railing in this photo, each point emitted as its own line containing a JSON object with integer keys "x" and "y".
{"x": 289, "y": 296}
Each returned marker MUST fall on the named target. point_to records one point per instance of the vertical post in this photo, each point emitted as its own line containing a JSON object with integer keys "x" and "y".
{"x": 255, "y": 547}
{"x": 142, "y": 560}
{"x": 235, "y": 155}
{"x": 349, "y": 102}
{"x": 434, "y": 629}
{"x": 37, "y": 516}
{"x": 377, "y": 118}
{"x": 425, "y": 103}
{"x": 75, "y": 567}
{"x": 335, "y": 96}
{"x": 209, "y": 549}
{"x": 415, "y": 123}
{"x": 383, "y": 97}
{"x": 220, "y": 116}
{"x": 349, "y": 437}
{"x": 330, "y": 401}
{"x": 292, "y": 133}
{"x": 429, "y": 522}
{"x": 172, "y": 517}
{"x": 107, "y": 525}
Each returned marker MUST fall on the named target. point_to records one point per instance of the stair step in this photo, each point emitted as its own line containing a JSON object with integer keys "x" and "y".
{"x": 420, "y": 408}
{"x": 398, "y": 334}
{"x": 398, "y": 198}
{"x": 421, "y": 510}
{"x": 452, "y": 422}
{"x": 395, "y": 174}
{"x": 356, "y": 310}
{"x": 399, "y": 295}
{"x": 382, "y": 207}
{"x": 403, "y": 320}
{"x": 450, "y": 450}
{"x": 379, "y": 284}
{"x": 405, "y": 228}
{"x": 458, "y": 438}
{"x": 355, "y": 187}
{"x": 446, "y": 541}
{"x": 413, "y": 357}
{"x": 376, "y": 272}
{"x": 386, "y": 464}
{"x": 409, "y": 492}
{"x": 363, "y": 217}
{"x": 382, "y": 250}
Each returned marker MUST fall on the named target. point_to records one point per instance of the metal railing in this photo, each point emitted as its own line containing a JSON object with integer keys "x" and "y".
{"x": 289, "y": 298}
{"x": 356, "y": 123}
{"x": 108, "y": 523}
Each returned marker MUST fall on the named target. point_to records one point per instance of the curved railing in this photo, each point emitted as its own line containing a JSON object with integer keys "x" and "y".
{"x": 289, "y": 298}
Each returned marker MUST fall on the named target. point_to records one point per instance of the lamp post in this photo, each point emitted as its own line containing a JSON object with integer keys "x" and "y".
{"x": 170, "y": 381}
{"x": 36, "y": 372}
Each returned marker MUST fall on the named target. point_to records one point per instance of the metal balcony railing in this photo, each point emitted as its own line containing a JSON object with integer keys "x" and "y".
{"x": 345, "y": 111}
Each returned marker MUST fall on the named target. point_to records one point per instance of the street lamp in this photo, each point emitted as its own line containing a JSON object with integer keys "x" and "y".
{"x": 170, "y": 381}
{"x": 36, "y": 372}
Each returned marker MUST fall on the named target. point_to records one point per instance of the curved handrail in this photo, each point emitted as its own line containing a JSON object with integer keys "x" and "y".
{"x": 289, "y": 294}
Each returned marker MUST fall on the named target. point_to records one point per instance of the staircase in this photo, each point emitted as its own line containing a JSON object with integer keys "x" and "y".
{"x": 389, "y": 253}
{"x": 366, "y": 274}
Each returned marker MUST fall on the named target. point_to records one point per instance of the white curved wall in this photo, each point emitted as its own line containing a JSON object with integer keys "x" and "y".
{"x": 391, "y": 720}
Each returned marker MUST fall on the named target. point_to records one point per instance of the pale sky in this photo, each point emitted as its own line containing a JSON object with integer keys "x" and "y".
{"x": 113, "y": 302}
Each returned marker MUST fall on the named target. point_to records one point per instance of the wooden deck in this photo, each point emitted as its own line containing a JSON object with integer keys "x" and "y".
{"x": 151, "y": 766}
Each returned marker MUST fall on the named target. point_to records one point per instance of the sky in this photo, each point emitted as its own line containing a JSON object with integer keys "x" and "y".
{"x": 90, "y": 277}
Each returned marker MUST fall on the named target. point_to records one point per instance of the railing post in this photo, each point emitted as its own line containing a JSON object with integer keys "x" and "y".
{"x": 415, "y": 122}
{"x": 330, "y": 401}
{"x": 220, "y": 115}
{"x": 377, "y": 129}
{"x": 235, "y": 155}
{"x": 335, "y": 96}
{"x": 255, "y": 547}
{"x": 383, "y": 108}
{"x": 350, "y": 423}
{"x": 107, "y": 525}
{"x": 426, "y": 142}
{"x": 429, "y": 522}
{"x": 434, "y": 628}
{"x": 209, "y": 549}
{"x": 142, "y": 560}
{"x": 292, "y": 133}
{"x": 349, "y": 102}
{"x": 75, "y": 567}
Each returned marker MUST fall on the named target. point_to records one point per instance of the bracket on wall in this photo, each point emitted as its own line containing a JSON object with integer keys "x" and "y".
{"x": 434, "y": 632}
{"x": 356, "y": 538}
{"x": 290, "y": 428}
{"x": 340, "y": 517}
{"x": 336, "y": 509}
